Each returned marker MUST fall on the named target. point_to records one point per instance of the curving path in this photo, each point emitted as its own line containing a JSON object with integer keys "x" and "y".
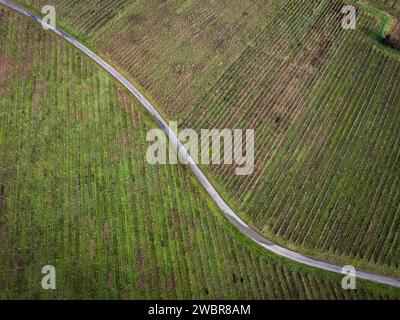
{"x": 228, "y": 212}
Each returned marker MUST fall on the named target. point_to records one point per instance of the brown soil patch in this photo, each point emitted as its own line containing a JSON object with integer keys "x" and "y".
{"x": 127, "y": 140}
{"x": 107, "y": 233}
{"x": 139, "y": 259}
{"x": 171, "y": 283}
{"x": 175, "y": 217}
{"x": 110, "y": 281}
{"x": 39, "y": 91}
{"x": 3, "y": 13}
{"x": 93, "y": 248}
{"x": 123, "y": 97}
{"x": 3, "y": 67}
{"x": 106, "y": 230}
{"x": 142, "y": 283}
{"x": 127, "y": 103}
{"x": 79, "y": 115}
{"x": 27, "y": 62}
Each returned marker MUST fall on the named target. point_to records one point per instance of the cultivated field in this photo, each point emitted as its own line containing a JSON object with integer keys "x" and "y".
{"x": 325, "y": 108}
{"x": 77, "y": 193}
{"x": 387, "y": 5}
{"x": 324, "y": 103}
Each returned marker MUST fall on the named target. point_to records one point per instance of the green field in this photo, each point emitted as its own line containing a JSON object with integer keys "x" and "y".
{"x": 326, "y": 112}
{"x": 76, "y": 191}
{"x": 324, "y": 103}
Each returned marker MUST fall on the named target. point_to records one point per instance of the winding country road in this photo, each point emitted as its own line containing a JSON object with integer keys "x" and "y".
{"x": 227, "y": 211}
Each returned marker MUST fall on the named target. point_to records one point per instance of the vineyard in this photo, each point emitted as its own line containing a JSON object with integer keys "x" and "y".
{"x": 76, "y": 192}
{"x": 173, "y": 49}
{"x": 386, "y": 5}
{"x": 325, "y": 106}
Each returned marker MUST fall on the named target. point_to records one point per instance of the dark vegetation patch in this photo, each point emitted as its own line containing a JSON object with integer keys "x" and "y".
{"x": 392, "y": 40}
{"x": 237, "y": 279}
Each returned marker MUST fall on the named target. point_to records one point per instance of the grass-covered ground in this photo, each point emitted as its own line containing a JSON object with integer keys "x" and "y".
{"x": 324, "y": 103}
{"x": 77, "y": 193}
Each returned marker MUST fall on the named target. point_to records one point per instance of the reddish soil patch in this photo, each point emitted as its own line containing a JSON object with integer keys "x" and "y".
{"x": 110, "y": 281}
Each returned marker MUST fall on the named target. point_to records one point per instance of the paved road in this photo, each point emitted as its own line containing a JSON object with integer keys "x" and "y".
{"x": 228, "y": 212}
